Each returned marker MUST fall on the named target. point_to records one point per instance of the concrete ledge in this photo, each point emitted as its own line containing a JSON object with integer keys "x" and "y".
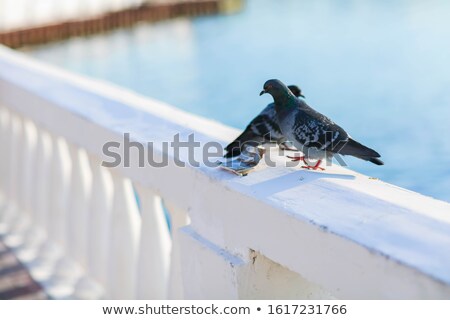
{"x": 349, "y": 235}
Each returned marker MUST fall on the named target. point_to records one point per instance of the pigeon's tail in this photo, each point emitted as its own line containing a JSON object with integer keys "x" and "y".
{"x": 356, "y": 149}
{"x": 247, "y": 138}
{"x": 376, "y": 161}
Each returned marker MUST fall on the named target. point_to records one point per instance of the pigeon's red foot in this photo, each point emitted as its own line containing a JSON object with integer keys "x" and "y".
{"x": 314, "y": 167}
{"x": 284, "y": 146}
{"x": 302, "y": 158}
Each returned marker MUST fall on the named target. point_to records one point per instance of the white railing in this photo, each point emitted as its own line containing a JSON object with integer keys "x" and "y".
{"x": 277, "y": 233}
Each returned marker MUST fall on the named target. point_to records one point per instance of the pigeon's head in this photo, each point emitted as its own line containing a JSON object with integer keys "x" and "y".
{"x": 276, "y": 89}
{"x": 296, "y": 91}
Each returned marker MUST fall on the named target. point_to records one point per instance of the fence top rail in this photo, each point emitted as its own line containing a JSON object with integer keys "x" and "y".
{"x": 286, "y": 213}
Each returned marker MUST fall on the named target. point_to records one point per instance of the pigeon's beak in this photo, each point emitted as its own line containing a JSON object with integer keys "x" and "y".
{"x": 302, "y": 96}
{"x": 262, "y": 92}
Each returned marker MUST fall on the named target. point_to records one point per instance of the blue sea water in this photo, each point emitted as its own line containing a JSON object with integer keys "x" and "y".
{"x": 380, "y": 69}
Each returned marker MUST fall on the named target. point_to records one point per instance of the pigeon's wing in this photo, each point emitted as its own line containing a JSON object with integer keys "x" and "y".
{"x": 265, "y": 124}
{"x": 247, "y": 138}
{"x": 262, "y": 129}
{"x": 314, "y": 130}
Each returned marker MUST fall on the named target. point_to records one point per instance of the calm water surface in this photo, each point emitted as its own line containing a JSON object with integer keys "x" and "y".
{"x": 379, "y": 69}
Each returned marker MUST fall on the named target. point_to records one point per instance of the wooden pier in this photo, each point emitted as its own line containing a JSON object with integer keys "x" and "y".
{"x": 109, "y": 21}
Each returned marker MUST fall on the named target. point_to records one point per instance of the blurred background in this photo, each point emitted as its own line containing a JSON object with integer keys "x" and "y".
{"x": 379, "y": 69}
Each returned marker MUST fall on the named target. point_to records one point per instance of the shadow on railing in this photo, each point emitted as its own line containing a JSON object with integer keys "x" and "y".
{"x": 277, "y": 233}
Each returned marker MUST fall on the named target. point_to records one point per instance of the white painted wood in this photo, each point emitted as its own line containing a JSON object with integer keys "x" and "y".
{"x": 154, "y": 249}
{"x": 124, "y": 240}
{"x": 178, "y": 219}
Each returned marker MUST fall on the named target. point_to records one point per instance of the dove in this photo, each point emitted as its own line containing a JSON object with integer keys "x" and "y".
{"x": 311, "y": 132}
{"x": 262, "y": 129}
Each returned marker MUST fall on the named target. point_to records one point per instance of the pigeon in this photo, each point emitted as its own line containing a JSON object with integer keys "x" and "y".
{"x": 245, "y": 162}
{"x": 312, "y": 133}
{"x": 262, "y": 129}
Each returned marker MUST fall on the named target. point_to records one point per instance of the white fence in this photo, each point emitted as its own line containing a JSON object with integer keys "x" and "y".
{"x": 277, "y": 233}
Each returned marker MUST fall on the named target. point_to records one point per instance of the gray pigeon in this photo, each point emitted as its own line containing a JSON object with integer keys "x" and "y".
{"x": 262, "y": 129}
{"x": 312, "y": 133}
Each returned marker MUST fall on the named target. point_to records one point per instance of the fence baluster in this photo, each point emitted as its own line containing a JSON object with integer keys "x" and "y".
{"x": 124, "y": 240}
{"x": 154, "y": 256}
